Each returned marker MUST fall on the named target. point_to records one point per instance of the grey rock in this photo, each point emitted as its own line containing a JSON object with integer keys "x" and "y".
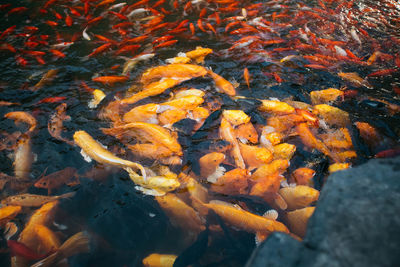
{"x": 356, "y": 223}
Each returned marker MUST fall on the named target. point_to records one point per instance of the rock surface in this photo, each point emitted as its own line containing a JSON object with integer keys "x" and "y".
{"x": 356, "y": 223}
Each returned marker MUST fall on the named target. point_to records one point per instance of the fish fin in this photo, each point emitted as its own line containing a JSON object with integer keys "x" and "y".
{"x": 78, "y": 243}
{"x": 67, "y": 195}
{"x": 271, "y": 214}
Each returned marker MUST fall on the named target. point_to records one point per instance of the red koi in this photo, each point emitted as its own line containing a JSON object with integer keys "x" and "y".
{"x": 165, "y": 44}
{"x": 105, "y": 39}
{"x": 57, "y": 53}
{"x": 68, "y": 21}
{"x": 8, "y": 47}
{"x": 49, "y": 3}
{"x": 52, "y": 99}
{"x": 176, "y": 4}
{"x": 217, "y": 18}
{"x": 211, "y": 28}
{"x": 203, "y": 12}
{"x": 200, "y": 25}
{"x": 182, "y": 24}
{"x": 138, "y": 39}
{"x": 165, "y": 11}
{"x": 231, "y": 24}
{"x": 21, "y": 61}
{"x": 40, "y": 60}
{"x": 142, "y": 2}
{"x": 86, "y": 7}
{"x": 74, "y": 12}
{"x": 128, "y": 49}
{"x": 122, "y": 25}
{"x": 17, "y": 10}
{"x": 95, "y": 20}
{"x": 246, "y": 76}
{"x": 390, "y": 153}
{"x": 57, "y": 15}
{"x": 118, "y": 15}
{"x": 8, "y": 31}
{"x": 397, "y": 61}
{"x": 192, "y": 29}
{"x": 162, "y": 39}
{"x": 105, "y": 2}
{"x": 31, "y": 28}
{"x": 187, "y": 6}
{"x": 158, "y": 3}
{"x": 19, "y": 249}
{"x": 315, "y": 66}
{"x": 100, "y": 49}
{"x": 277, "y": 77}
{"x": 34, "y": 53}
{"x": 51, "y": 23}
{"x": 381, "y": 72}
{"x": 110, "y": 79}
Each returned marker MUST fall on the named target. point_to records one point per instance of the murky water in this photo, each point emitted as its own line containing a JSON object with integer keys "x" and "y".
{"x": 290, "y": 49}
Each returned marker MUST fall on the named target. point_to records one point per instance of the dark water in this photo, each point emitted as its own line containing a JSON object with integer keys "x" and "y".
{"x": 125, "y": 225}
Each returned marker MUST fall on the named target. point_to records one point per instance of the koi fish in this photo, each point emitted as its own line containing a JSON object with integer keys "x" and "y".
{"x": 152, "y": 89}
{"x": 297, "y": 220}
{"x": 55, "y": 124}
{"x": 47, "y": 239}
{"x": 97, "y": 152}
{"x": 180, "y": 71}
{"x": 110, "y": 80}
{"x": 299, "y": 197}
{"x": 7, "y": 213}
{"x": 19, "y": 249}
{"x": 55, "y": 180}
{"x": 52, "y": 99}
{"x": 227, "y": 133}
{"x": 148, "y": 132}
{"x": 131, "y": 63}
{"x": 154, "y": 185}
{"x": 23, "y": 158}
{"x": 30, "y": 200}
{"x": 222, "y": 84}
{"x": 355, "y": 79}
{"x": 98, "y": 96}
{"x": 246, "y": 76}
{"x": 180, "y": 214}
{"x": 155, "y": 260}
{"x": 46, "y": 79}
{"x": 244, "y": 220}
{"x": 21, "y": 116}
{"x": 42, "y": 216}
{"x": 78, "y": 243}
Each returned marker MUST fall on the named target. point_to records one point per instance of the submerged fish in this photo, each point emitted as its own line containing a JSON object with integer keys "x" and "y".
{"x": 31, "y": 200}
{"x": 57, "y": 179}
{"x": 97, "y": 152}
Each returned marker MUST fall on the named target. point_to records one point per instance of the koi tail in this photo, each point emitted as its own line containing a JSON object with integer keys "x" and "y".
{"x": 78, "y": 243}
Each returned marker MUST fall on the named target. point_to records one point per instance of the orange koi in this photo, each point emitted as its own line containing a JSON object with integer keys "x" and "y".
{"x": 222, "y": 84}
{"x": 100, "y": 49}
{"x": 200, "y": 25}
{"x": 17, "y": 10}
{"x": 105, "y": 2}
{"x": 382, "y": 72}
{"x": 127, "y": 49}
{"x": 122, "y": 25}
{"x": 68, "y": 20}
{"x": 95, "y": 20}
{"x": 51, "y": 23}
{"x": 111, "y": 80}
{"x": 165, "y": 44}
{"x": 192, "y": 29}
{"x": 246, "y": 76}
{"x": 7, "y": 31}
{"x": 57, "y": 53}
{"x": 118, "y": 15}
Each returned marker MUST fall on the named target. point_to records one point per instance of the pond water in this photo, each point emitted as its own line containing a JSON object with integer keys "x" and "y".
{"x": 51, "y": 53}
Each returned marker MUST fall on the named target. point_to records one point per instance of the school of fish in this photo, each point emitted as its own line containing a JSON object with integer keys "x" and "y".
{"x": 179, "y": 127}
